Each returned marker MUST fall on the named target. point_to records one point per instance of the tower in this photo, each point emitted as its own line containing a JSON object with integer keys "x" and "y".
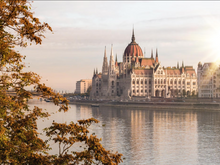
{"x": 105, "y": 64}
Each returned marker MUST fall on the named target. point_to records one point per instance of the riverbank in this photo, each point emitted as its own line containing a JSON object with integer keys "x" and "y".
{"x": 156, "y": 105}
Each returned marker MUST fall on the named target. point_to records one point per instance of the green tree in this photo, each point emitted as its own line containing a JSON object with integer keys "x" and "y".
{"x": 19, "y": 141}
{"x": 89, "y": 90}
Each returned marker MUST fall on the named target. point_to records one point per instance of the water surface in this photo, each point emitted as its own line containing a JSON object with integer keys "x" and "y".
{"x": 148, "y": 136}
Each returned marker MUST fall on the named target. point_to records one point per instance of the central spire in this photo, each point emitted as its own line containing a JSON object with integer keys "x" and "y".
{"x": 133, "y": 37}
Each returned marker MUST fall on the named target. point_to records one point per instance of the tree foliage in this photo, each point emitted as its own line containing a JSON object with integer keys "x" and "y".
{"x": 19, "y": 137}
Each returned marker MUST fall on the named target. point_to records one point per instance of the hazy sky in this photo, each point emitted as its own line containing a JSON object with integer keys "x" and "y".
{"x": 182, "y": 31}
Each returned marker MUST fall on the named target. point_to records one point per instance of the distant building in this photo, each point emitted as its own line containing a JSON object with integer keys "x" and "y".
{"x": 139, "y": 76}
{"x": 83, "y": 85}
{"x": 208, "y": 76}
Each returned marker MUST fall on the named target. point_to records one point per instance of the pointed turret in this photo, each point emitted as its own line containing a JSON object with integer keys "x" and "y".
{"x": 152, "y": 53}
{"x": 156, "y": 56}
{"x": 96, "y": 70}
{"x": 182, "y": 67}
{"x": 111, "y": 62}
{"x": 105, "y": 64}
{"x": 116, "y": 61}
{"x": 133, "y": 37}
{"x": 178, "y": 65}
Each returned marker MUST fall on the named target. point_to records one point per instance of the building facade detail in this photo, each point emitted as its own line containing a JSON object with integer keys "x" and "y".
{"x": 208, "y": 76}
{"x": 83, "y": 85}
{"x": 139, "y": 76}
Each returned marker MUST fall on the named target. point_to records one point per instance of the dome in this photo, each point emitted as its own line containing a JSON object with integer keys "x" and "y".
{"x": 133, "y": 48}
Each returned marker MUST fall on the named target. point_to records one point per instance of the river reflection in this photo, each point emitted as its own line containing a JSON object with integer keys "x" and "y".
{"x": 147, "y": 136}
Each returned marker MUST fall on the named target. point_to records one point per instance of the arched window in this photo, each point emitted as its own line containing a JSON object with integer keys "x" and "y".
{"x": 164, "y": 81}
{"x": 112, "y": 83}
{"x": 179, "y": 81}
{"x": 137, "y": 81}
{"x": 145, "y": 81}
{"x": 161, "y": 81}
{"x": 175, "y": 82}
{"x": 171, "y": 81}
{"x": 155, "y": 81}
{"x": 133, "y": 82}
{"x": 141, "y": 81}
{"x": 158, "y": 81}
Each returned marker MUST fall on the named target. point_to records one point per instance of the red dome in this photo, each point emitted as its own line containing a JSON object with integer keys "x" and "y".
{"x": 133, "y": 48}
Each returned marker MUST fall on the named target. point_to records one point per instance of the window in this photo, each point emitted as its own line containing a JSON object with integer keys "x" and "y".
{"x": 137, "y": 81}
{"x": 161, "y": 81}
{"x": 133, "y": 91}
{"x": 149, "y": 81}
{"x": 112, "y": 83}
{"x": 155, "y": 81}
{"x": 141, "y": 81}
{"x": 137, "y": 91}
{"x": 194, "y": 83}
{"x": 175, "y": 82}
{"x": 164, "y": 81}
{"x": 188, "y": 83}
{"x": 179, "y": 81}
{"x": 133, "y": 82}
{"x": 141, "y": 91}
{"x": 171, "y": 81}
{"x": 145, "y": 81}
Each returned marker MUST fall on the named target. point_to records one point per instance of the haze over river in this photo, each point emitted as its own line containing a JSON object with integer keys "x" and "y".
{"x": 148, "y": 136}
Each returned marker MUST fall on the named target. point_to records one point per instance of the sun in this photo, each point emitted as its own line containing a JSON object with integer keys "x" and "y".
{"x": 214, "y": 42}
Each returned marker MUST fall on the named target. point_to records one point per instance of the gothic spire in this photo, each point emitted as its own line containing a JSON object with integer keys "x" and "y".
{"x": 156, "y": 56}
{"x": 112, "y": 50}
{"x": 178, "y": 65}
{"x": 105, "y": 52}
{"x": 96, "y": 70}
{"x": 152, "y": 53}
{"x": 116, "y": 60}
{"x": 182, "y": 64}
{"x": 105, "y": 63}
{"x": 133, "y": 37}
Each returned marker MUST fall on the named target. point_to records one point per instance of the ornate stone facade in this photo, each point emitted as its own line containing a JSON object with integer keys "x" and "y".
{"x": 138, "y": 76}
{"x": 208, "y": 80}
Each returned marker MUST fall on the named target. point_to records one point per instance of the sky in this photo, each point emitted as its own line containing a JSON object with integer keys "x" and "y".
{"x": 186, "y": 31}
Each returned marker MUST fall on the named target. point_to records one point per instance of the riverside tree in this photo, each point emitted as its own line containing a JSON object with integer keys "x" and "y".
{"x": 19, "y": 137}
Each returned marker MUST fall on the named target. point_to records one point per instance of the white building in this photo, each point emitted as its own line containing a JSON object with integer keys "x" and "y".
{"x": 139, "y": 76}
{"x": 208, "y": 76}
{"x": 83, "y": 85}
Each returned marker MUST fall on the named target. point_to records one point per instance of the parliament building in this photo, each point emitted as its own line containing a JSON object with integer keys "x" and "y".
{"x": 139, "y": 76}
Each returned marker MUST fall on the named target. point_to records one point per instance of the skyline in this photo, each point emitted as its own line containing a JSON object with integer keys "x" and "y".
{"x": 181, "y": 31}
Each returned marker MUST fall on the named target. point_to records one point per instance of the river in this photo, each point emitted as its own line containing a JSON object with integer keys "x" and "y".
{"x": 148, "y": 136}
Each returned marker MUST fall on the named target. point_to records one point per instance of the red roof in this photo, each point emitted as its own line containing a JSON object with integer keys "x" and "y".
{"x": 143, "y": 71}
{"x": 147, "y": 61}
{"x": 173, "y": 71}
{"x": 133, "y": 48}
